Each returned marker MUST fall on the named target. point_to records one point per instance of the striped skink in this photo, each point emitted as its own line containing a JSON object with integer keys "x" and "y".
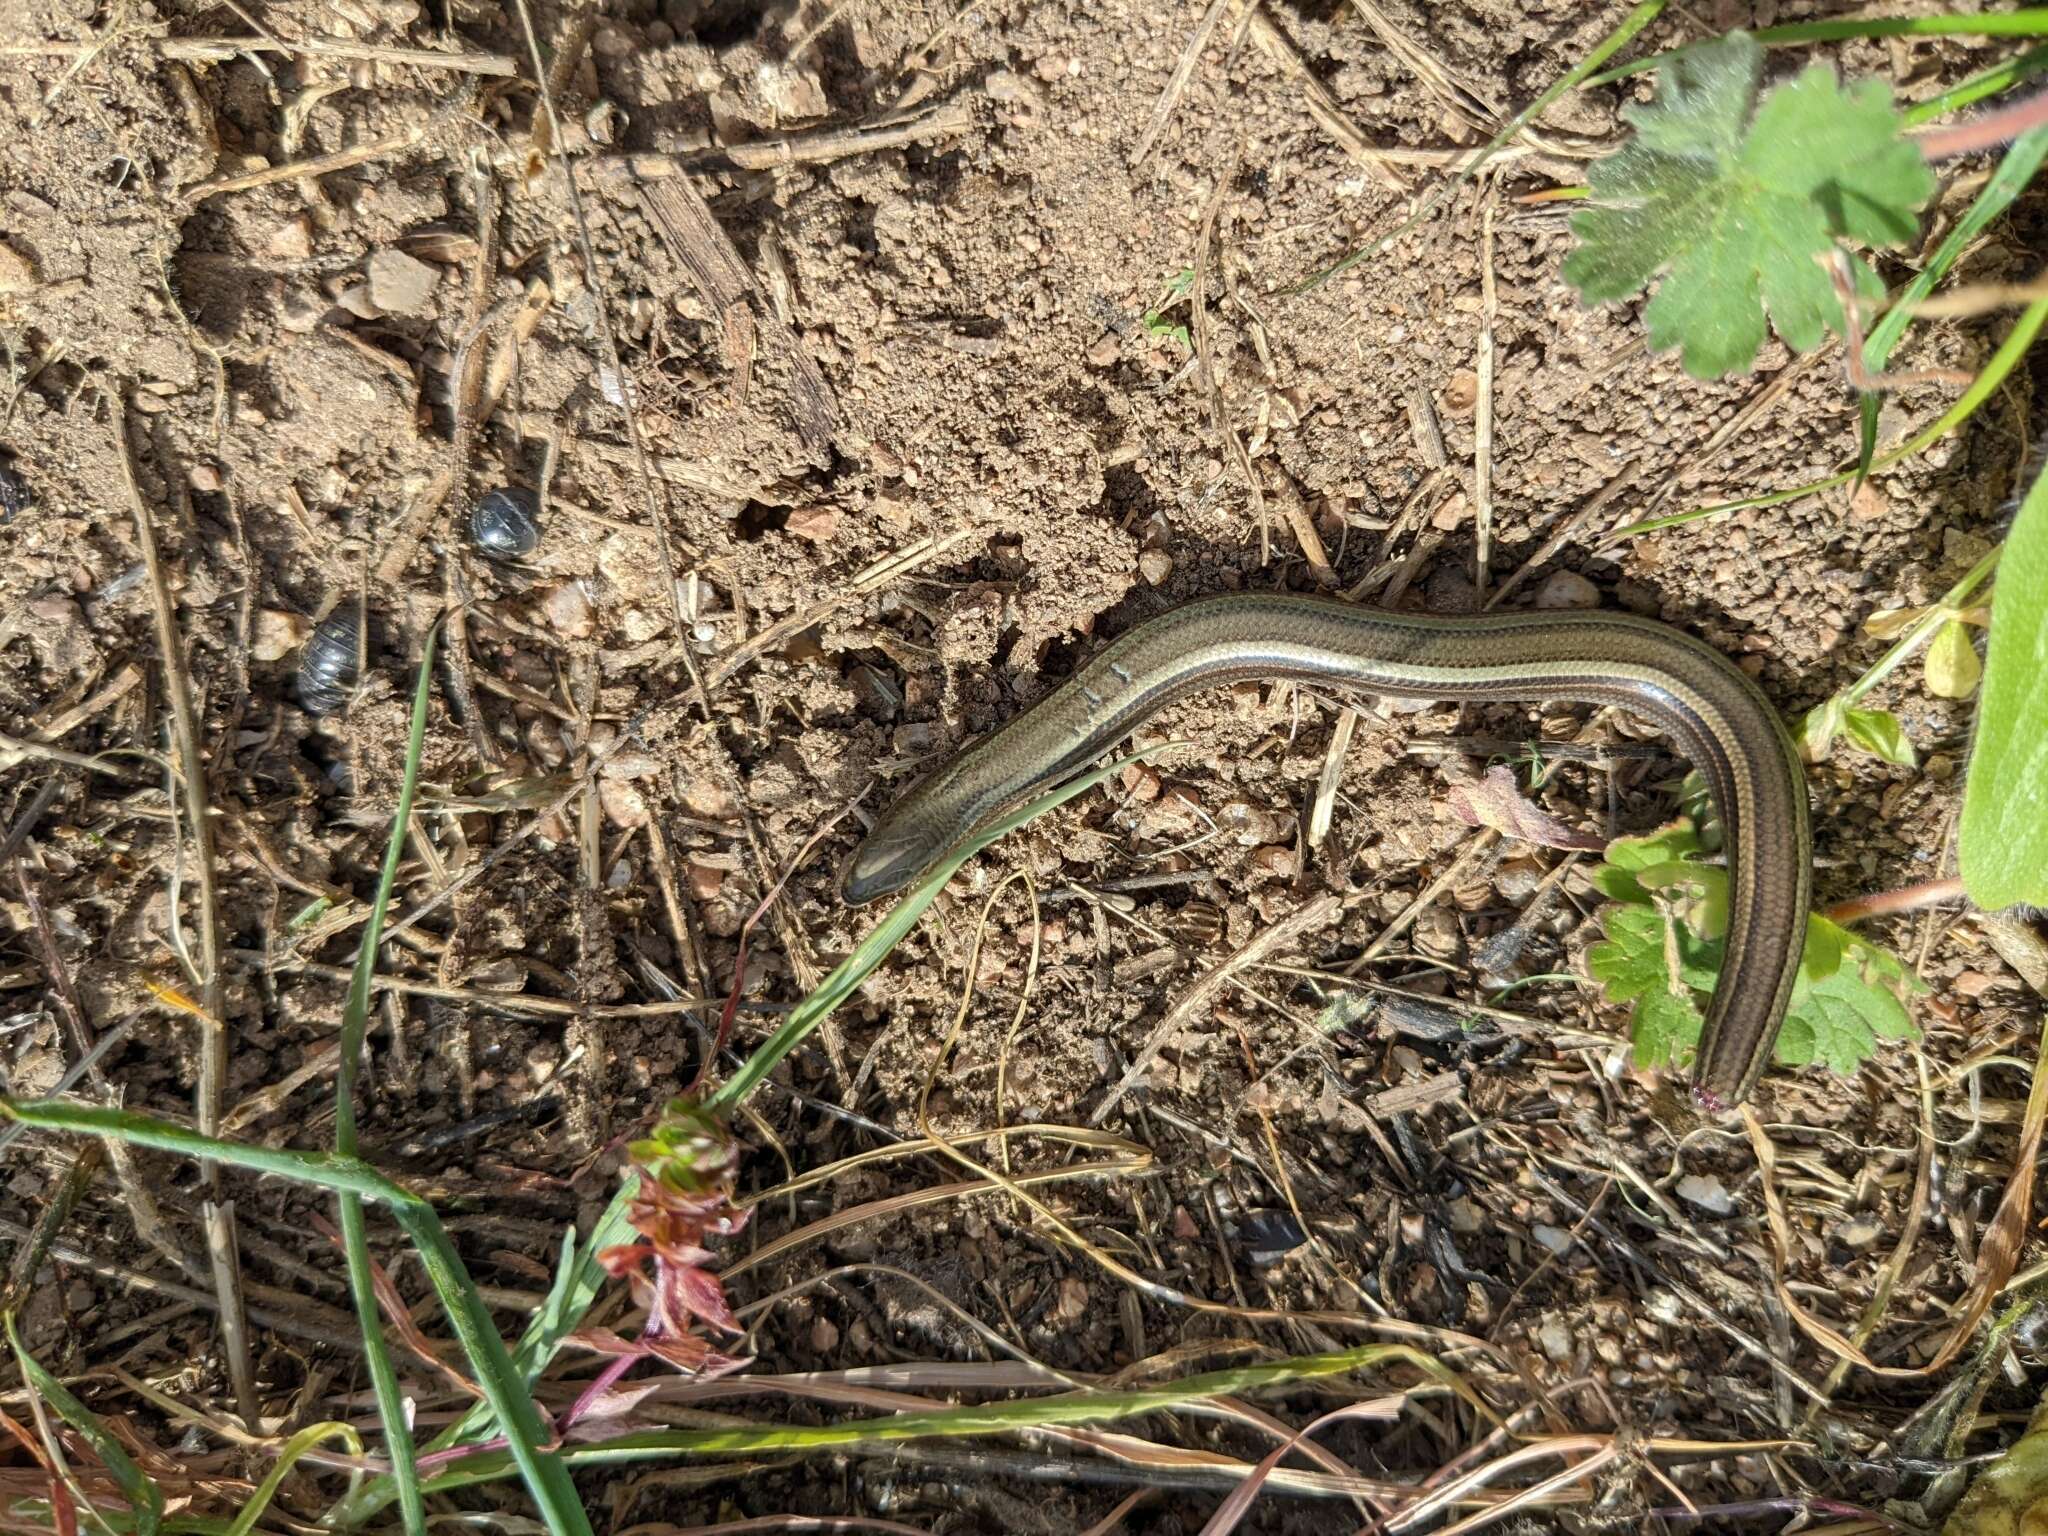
{"x": 1715, "y": 713}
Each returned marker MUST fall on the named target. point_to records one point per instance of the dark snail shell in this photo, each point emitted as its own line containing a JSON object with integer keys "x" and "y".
{"x": 328, "y": 669}
{"x": 506, "y": 524}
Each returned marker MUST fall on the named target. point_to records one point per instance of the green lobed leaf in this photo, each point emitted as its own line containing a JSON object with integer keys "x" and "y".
{"x": 1627, "y": 857}
{"x": 2004, "y": 839}
{"x": 1849, "y": 995}
{"x": 1634, "y": 965}
{"x": 1697, "y": 894}
{"x": 1735, "y": 202}
{"x": 1849, "y": 992}
{"x": 1838, "y": 1021}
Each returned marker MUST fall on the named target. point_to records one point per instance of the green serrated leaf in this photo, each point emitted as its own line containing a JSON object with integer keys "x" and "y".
{"x": 1633, "y": 964}
{"x": 1838, "y": 1021}
{"x": 1697, "y": 893}
{"x": 1878, "y": 732}
{"x": 1738, "y": 202}
{"x": 1953, "y": 669}
{"x": 1627, "y": 857}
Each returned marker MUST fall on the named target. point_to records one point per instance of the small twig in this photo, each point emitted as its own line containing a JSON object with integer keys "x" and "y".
{"x": 1177, "y": 82}
{"x": 1203, "y": 337}
{"x": 218, "y": 1217}
{"x": 339, "y": 160}
{"x": 1332, "y": 774}
{"x": 217, "y": 50}
{"x": 1299, "y": 923}
{"x": 1482, "y": 420}
{"x": 1322, "y": 106}
{"x": 937, "y": 120}
{"x": 889, "y": 568}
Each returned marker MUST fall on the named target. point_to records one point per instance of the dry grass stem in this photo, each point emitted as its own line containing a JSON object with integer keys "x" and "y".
{"x": 217, "y": 1216}
{"x": 219, "y": 50}
{"x": 1482, "y": 413}
{"x": 1322, "y": 106}
{"x": 1177, "y": 82}
{"x": 1307, "y": 919}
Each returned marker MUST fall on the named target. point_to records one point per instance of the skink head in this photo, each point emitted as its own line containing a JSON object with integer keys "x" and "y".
{"x": 888, "y": 861}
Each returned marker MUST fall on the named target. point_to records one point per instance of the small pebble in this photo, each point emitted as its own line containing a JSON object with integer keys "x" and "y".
{"x": 1140, "y": 782}
{"x": 292, "y": 240}
{"x": 1072, "y": 1305}
{"x": 357, "y": 301}
{"x": 1105, "y": 351}
{"x": 1277, "y": 862}
{"x": 1251, "y": 825}
{"x": 816, "y": 522}
{"x": 206, "y": 477}
{"x": 1554, "y": 1338}
{"x": 17, "y": 272}
{"x": 275, "y": 634}
{"x": 708, "y": 801}
{"x": 1709, "y": 1194}
{"x": 1155, "y": 565}
{"x": 1461, "y": 392}
{"x": 570, "y": 612}
{"x": 401, "y": 284}
{"x": 622, "y": 803}
{"x": 1567, "y": 589}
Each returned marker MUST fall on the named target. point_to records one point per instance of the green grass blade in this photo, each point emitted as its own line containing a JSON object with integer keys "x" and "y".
{"x": 288, "y": 1458}
{"x": 355, "y": 1019}
{"x": 143, "y": 1495}
{"x": 2004, "y": 841}
{"x": 2000, "y": 77}
{"x": 504, "y": 1386}
{"x": 1994, "y": 373}
{"x": 1581, "y": 74}
{"x": 503, "y": 1383}
{"x": 2027, "y": 23}
{"x": 322, "y": 1169}
{"x": 2015, "y": 171}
